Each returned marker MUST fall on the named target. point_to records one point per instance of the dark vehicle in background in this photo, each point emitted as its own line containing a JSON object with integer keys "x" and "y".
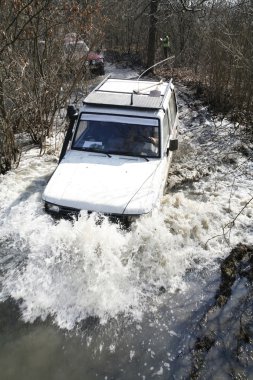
{"x": 80, "y": 50}
{"x": 96, "y": 62}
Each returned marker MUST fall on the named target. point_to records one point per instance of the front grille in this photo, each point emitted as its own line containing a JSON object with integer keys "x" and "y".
{"x": 70, "y": 213}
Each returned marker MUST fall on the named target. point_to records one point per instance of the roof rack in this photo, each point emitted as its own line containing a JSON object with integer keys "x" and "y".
{"x": 117, "y": 92}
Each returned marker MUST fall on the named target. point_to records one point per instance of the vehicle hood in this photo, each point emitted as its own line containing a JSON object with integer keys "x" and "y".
{"x": 97, "y": 182}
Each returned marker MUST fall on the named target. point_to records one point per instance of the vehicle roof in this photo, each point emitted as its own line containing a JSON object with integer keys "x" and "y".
{"x": 122, "y": 111}
{"x": 128, "y": 93}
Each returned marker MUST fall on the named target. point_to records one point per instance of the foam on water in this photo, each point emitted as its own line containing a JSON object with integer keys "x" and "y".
{"x": 76, "y": 270}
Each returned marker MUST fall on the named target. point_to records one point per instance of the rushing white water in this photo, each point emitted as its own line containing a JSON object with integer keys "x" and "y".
{"x": 73, "y": 270}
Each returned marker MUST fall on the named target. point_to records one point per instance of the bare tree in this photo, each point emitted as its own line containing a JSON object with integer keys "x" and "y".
{"x": 37, "y": 73}
{"x": 152, "y": 33}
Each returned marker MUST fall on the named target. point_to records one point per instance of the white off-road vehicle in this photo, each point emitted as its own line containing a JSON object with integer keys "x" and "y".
{"x": 117, "y": 151}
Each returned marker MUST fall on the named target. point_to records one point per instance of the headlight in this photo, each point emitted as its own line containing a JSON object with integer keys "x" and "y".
{"x": 52, "y": 208}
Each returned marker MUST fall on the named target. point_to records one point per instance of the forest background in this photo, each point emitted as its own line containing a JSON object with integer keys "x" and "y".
{"x": 211, "y": 47}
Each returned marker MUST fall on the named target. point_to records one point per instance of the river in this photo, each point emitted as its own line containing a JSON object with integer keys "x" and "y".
{"x": 88, "y": 300}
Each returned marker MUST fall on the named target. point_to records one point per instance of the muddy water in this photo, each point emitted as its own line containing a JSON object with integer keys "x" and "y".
{"x": 85, "y": 300}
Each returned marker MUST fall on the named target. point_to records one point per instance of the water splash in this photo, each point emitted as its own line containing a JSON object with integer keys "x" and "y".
{"x": 74, "y": 270}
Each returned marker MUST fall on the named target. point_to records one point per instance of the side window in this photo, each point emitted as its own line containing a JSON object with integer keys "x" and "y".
{"x": 166, "y": 129}
{"x": 172, "y": 108}
{"x": 80, "y": 133}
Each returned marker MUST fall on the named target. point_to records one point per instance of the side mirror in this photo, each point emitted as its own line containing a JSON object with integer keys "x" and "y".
{"x": 173, "y": 145}
{"x": 72, "y": 113}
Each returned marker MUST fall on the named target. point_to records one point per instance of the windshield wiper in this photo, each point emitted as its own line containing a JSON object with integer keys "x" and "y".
{"x": 95, "y": 150}
{"x": 132, "y": 155}
{"x": 145, "y": 158}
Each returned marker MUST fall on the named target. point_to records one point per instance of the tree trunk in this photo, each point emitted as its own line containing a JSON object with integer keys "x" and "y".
{"x": 152, "y": 34}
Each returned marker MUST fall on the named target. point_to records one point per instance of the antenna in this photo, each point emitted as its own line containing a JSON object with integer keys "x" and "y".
{"x": 156, "y": 64}
{"x": 146, "y": 88}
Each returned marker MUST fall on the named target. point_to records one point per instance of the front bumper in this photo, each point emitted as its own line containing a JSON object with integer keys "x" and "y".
{"x": 96, "y": 66}
{"x": 59, "y": 212}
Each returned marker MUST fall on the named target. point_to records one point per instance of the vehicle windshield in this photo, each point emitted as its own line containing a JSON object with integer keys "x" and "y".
{"x": 118, "y": 135}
